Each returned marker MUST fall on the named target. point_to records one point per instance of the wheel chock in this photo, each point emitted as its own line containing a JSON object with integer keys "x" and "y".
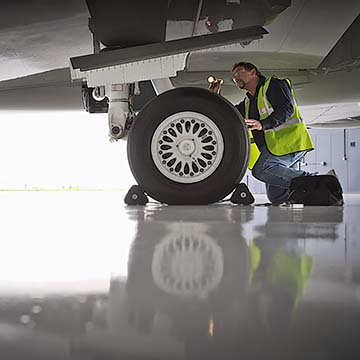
{"x": 136, "y": 196}
{"x": 242, "y": 195}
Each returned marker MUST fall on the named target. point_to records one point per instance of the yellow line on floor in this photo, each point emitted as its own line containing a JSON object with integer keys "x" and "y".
{"x": 59, "y": 189}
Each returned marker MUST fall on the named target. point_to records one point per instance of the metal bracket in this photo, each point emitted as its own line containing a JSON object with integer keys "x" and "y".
{"x": 156, "y": 68}
{"x": 161, "y": 85}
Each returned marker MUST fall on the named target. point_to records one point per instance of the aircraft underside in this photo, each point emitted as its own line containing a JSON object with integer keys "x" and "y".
{"x": 186, "y": 145}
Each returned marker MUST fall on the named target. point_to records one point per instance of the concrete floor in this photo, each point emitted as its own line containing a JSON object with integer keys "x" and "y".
{"x": 82, "y": 276}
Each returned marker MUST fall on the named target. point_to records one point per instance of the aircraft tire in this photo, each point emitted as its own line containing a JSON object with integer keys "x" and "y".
{"x": 188, "y": 146}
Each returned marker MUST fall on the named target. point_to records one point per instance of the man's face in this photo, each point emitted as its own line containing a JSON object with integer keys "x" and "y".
{"x": 241, "y": 76}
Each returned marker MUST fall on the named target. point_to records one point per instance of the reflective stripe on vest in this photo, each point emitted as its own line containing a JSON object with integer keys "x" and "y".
{"x": 289, "y": 137}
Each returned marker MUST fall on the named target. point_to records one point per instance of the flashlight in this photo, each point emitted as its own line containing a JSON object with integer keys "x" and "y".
{"x": 215, "y": 84}
{"x": 212, "y": 80}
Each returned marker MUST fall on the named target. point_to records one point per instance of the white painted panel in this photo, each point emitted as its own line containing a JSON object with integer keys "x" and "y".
{"x": 353, "y": 152}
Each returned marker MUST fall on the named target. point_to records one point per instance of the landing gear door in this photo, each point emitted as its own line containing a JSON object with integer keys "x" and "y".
{"x": 126, "y": 23}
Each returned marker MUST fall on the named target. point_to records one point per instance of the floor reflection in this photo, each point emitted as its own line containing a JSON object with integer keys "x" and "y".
{"x": 210, "y": 282}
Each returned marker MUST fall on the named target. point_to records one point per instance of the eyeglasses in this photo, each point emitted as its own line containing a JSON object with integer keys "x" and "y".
{"x": 236, "y": 74}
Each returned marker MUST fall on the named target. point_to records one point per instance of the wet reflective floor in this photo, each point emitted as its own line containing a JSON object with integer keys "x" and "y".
{"x": 84, "y": 277}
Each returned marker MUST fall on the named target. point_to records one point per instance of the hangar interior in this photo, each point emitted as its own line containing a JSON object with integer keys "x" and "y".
{"x": 84, "y": 276}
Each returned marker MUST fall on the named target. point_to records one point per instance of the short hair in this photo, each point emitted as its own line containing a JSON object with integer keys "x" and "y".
{"x": 248, "y": 66}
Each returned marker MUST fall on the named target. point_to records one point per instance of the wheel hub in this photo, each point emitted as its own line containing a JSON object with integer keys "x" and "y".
{"x": 187, "y": 147}
{"x": 187, "y": 264}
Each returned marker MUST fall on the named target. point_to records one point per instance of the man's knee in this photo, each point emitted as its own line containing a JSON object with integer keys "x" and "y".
{"x": 257, "y": 172}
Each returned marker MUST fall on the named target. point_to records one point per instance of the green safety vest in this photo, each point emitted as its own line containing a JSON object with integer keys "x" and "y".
{"x": 288, "y": 270}
{"x": 287, "y": 138}
{"x": 291, "y": 271}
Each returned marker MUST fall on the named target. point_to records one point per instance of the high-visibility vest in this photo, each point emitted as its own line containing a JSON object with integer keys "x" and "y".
{"x": 290, "y": 137}
{"x": 287, "y": 270}
{"x": 291, "y": 271}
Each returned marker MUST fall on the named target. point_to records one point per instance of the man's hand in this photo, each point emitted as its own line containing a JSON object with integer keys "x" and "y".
{"x": 253, "y": 124}
{"x": 215, "y": 86}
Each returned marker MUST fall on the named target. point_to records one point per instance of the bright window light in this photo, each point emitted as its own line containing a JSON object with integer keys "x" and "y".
{"x": 60, "y": 149}
{"x": 57, "y": 241}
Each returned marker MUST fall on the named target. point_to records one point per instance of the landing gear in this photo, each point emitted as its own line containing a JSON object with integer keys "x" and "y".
{"x": 188, "y": 146}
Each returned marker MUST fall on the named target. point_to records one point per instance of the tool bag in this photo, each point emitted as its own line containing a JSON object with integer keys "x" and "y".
{"x": 322, "y": 190}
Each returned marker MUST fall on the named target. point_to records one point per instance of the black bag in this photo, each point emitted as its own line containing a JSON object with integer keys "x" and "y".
{"x": 316, "y": 190}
